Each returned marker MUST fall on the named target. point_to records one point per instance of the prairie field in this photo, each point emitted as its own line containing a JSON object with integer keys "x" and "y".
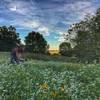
{"x": 48, "y": 80}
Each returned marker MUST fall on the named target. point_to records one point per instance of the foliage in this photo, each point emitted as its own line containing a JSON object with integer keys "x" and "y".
{"x": 87, "y": 36}
{"x": 65, "y": 49}
{"x": 8, "y": 38}
{"x": 36, "y": 43}
{"x": 39, "y": 80}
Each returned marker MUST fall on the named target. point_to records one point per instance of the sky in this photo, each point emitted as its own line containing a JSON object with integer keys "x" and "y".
{"x": 52, "y": 18}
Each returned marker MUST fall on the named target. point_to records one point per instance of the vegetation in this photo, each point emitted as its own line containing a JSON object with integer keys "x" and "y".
{"x": 85, "y": 36}
{"x": 8, "y": 38}
{"x": 65, "y": 49}
{"x": 53, "y": 77}
{"x": 36, "y": 43}
{"x": 48, "y": 80}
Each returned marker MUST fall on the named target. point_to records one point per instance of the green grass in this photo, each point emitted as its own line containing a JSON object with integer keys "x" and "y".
{"x": 48, "y": 80}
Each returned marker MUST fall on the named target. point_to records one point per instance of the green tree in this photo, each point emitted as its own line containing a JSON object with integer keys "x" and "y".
{"x": 36, "y": 43}
{"x": 85, "y": 36}
{"x": 8, "y": 38}
{"x": 65, "y": 49}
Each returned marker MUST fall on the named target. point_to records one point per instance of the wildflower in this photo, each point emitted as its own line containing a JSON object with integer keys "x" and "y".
{"x": 54, "y": 93}
{"x": 62, "y": 87}
{"x": 44, "y": 86}
{"x": 99, "y": 97}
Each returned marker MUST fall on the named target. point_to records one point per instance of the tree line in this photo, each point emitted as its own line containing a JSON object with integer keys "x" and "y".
{"x": 34, "y": 41}
{"x": 85, "y": 36}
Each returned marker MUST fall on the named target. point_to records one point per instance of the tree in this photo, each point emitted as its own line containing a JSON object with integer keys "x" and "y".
{"x": 8, "y": 38}
{"x": 65, "y": 49}
{"x": 86, "y": 36}
{"x": 36, "y": 43}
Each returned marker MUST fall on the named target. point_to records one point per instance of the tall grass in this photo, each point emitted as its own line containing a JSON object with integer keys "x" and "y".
{"x": 48, "y": 80}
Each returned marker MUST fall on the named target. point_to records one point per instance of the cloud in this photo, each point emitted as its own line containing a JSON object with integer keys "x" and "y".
{"x": 13, "y": 8}
{"x": 22, "y": 41}
{"x": 8, "y": 0}
{"x": 44, "y": 30}
{"x": 19, "y": 7}
{"x": 61, "y": 39}
{"x": 25, "y": 15}
{"x": 65, "y": 11}
{"x": 36, "y": 25}
{"x": 31, "y": 24}
{"x": 46, "y": 16}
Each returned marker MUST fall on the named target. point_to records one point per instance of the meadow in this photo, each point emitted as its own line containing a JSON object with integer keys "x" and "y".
{"x": 48, "y": 80}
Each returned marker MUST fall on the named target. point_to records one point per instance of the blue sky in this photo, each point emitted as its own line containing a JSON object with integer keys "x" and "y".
{"x": 51, "y": 18}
